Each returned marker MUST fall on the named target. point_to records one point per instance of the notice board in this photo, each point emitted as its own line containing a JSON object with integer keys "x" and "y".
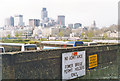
{"x": 73, "y": 64}
{"x": 92, "y": 61}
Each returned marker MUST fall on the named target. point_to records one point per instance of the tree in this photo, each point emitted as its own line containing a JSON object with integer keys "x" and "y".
{"x": 90, "y": 35}
{"x": 61, "y": 34}
{"x": 3, "y": 38}
{"x": 8, "y": 36}
{"x": 105, "y": 36}
{"x": 82, "y": 34}
{"x": 21, "y": 33}
{"x": 17, "y": 35}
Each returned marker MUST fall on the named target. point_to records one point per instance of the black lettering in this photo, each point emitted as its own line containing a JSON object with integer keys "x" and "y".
{"x": 79, "y": 56}
{"x": 83, "y": 67}
{"x": 74, "y": 74}
{"x": 79, "y": 68}
{"x": 71, "y": 57}
{"x": 66, "y": 58}
{"x": 68, "y": 70}
{"x": 69, "y": 66}
{"x": 78, "y": 64}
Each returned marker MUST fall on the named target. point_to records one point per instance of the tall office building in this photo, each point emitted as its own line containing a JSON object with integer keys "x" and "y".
{"x": 61, "y": 20}
{"x": 18, "y": 20}
{"x": 34, "y": 22}
{"x": 44, "y": 13}
{"x": 70, "y": 26}
{"x": 77, "y": 25}
{"x": 9, "y": 21}
{"x": 12, "y": 21}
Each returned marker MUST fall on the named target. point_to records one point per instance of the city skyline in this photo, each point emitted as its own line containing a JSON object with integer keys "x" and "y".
{"x": 103, "y": 12}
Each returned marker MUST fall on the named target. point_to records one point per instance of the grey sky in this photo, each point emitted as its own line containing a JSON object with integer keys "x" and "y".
{"x": 104, "y": 12}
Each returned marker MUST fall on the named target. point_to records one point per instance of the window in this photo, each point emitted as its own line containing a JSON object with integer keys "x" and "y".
{"x": 30, "y": 47}
{"x": 1, "y": 50}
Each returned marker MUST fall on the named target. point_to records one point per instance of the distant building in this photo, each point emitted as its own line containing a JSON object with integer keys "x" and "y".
{"x": 94, "y": 23}
{"x": 93, "y": 27}
{"x": 18, "y": 20}
{"x": 9, "y": 21}
{"x": 12, "y": 21}
{"x": 66, "y": 31}
{"x": 77, "y": 32}
{"x": 37, "y": 32}
{"x": 61, "y": 20}
{"x": 44, "y": 13}
{"x": 34, "y": 22}
{"x": 50, "y": 31}
{"x": 70, "y": 26}
{"x": 77, "y": 25}
{"x": 5, "y": 33}
{"x": 45, "y": 20}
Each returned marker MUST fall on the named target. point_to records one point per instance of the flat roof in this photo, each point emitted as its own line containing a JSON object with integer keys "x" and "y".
{"x": 15, "y": 44}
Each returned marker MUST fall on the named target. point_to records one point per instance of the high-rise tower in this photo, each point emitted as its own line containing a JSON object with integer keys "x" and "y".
{"x": 44, "y": 13}
{"x": 94, "y": 24}
{"x": 18, "y": 20}
{"x": 34, "y": 22}
{"x": 9, "y": 21}
{"x": 61, "y": 20}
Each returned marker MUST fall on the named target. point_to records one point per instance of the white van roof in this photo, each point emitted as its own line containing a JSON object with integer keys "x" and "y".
{"x": 16, "y": 44}
{"x": 1, "y": 47}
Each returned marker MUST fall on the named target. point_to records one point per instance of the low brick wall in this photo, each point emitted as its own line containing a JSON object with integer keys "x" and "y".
{"x": 47, "y": 64}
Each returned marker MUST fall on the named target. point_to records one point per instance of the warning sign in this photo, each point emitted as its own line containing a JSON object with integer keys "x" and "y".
{"x": 73, "y": 64}
{"x": 92, "y": 61}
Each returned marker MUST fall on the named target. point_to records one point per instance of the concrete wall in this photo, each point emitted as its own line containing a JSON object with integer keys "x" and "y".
{"x": 47, "y": 64}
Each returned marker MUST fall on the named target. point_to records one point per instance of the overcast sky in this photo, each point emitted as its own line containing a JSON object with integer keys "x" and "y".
{"x": 104, "y": 12}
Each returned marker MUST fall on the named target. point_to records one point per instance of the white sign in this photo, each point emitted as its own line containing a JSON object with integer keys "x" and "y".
{"x": 73, "y": 65}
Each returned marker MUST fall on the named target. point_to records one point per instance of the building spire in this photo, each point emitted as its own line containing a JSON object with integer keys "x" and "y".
{"x": 94, "y": 23}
